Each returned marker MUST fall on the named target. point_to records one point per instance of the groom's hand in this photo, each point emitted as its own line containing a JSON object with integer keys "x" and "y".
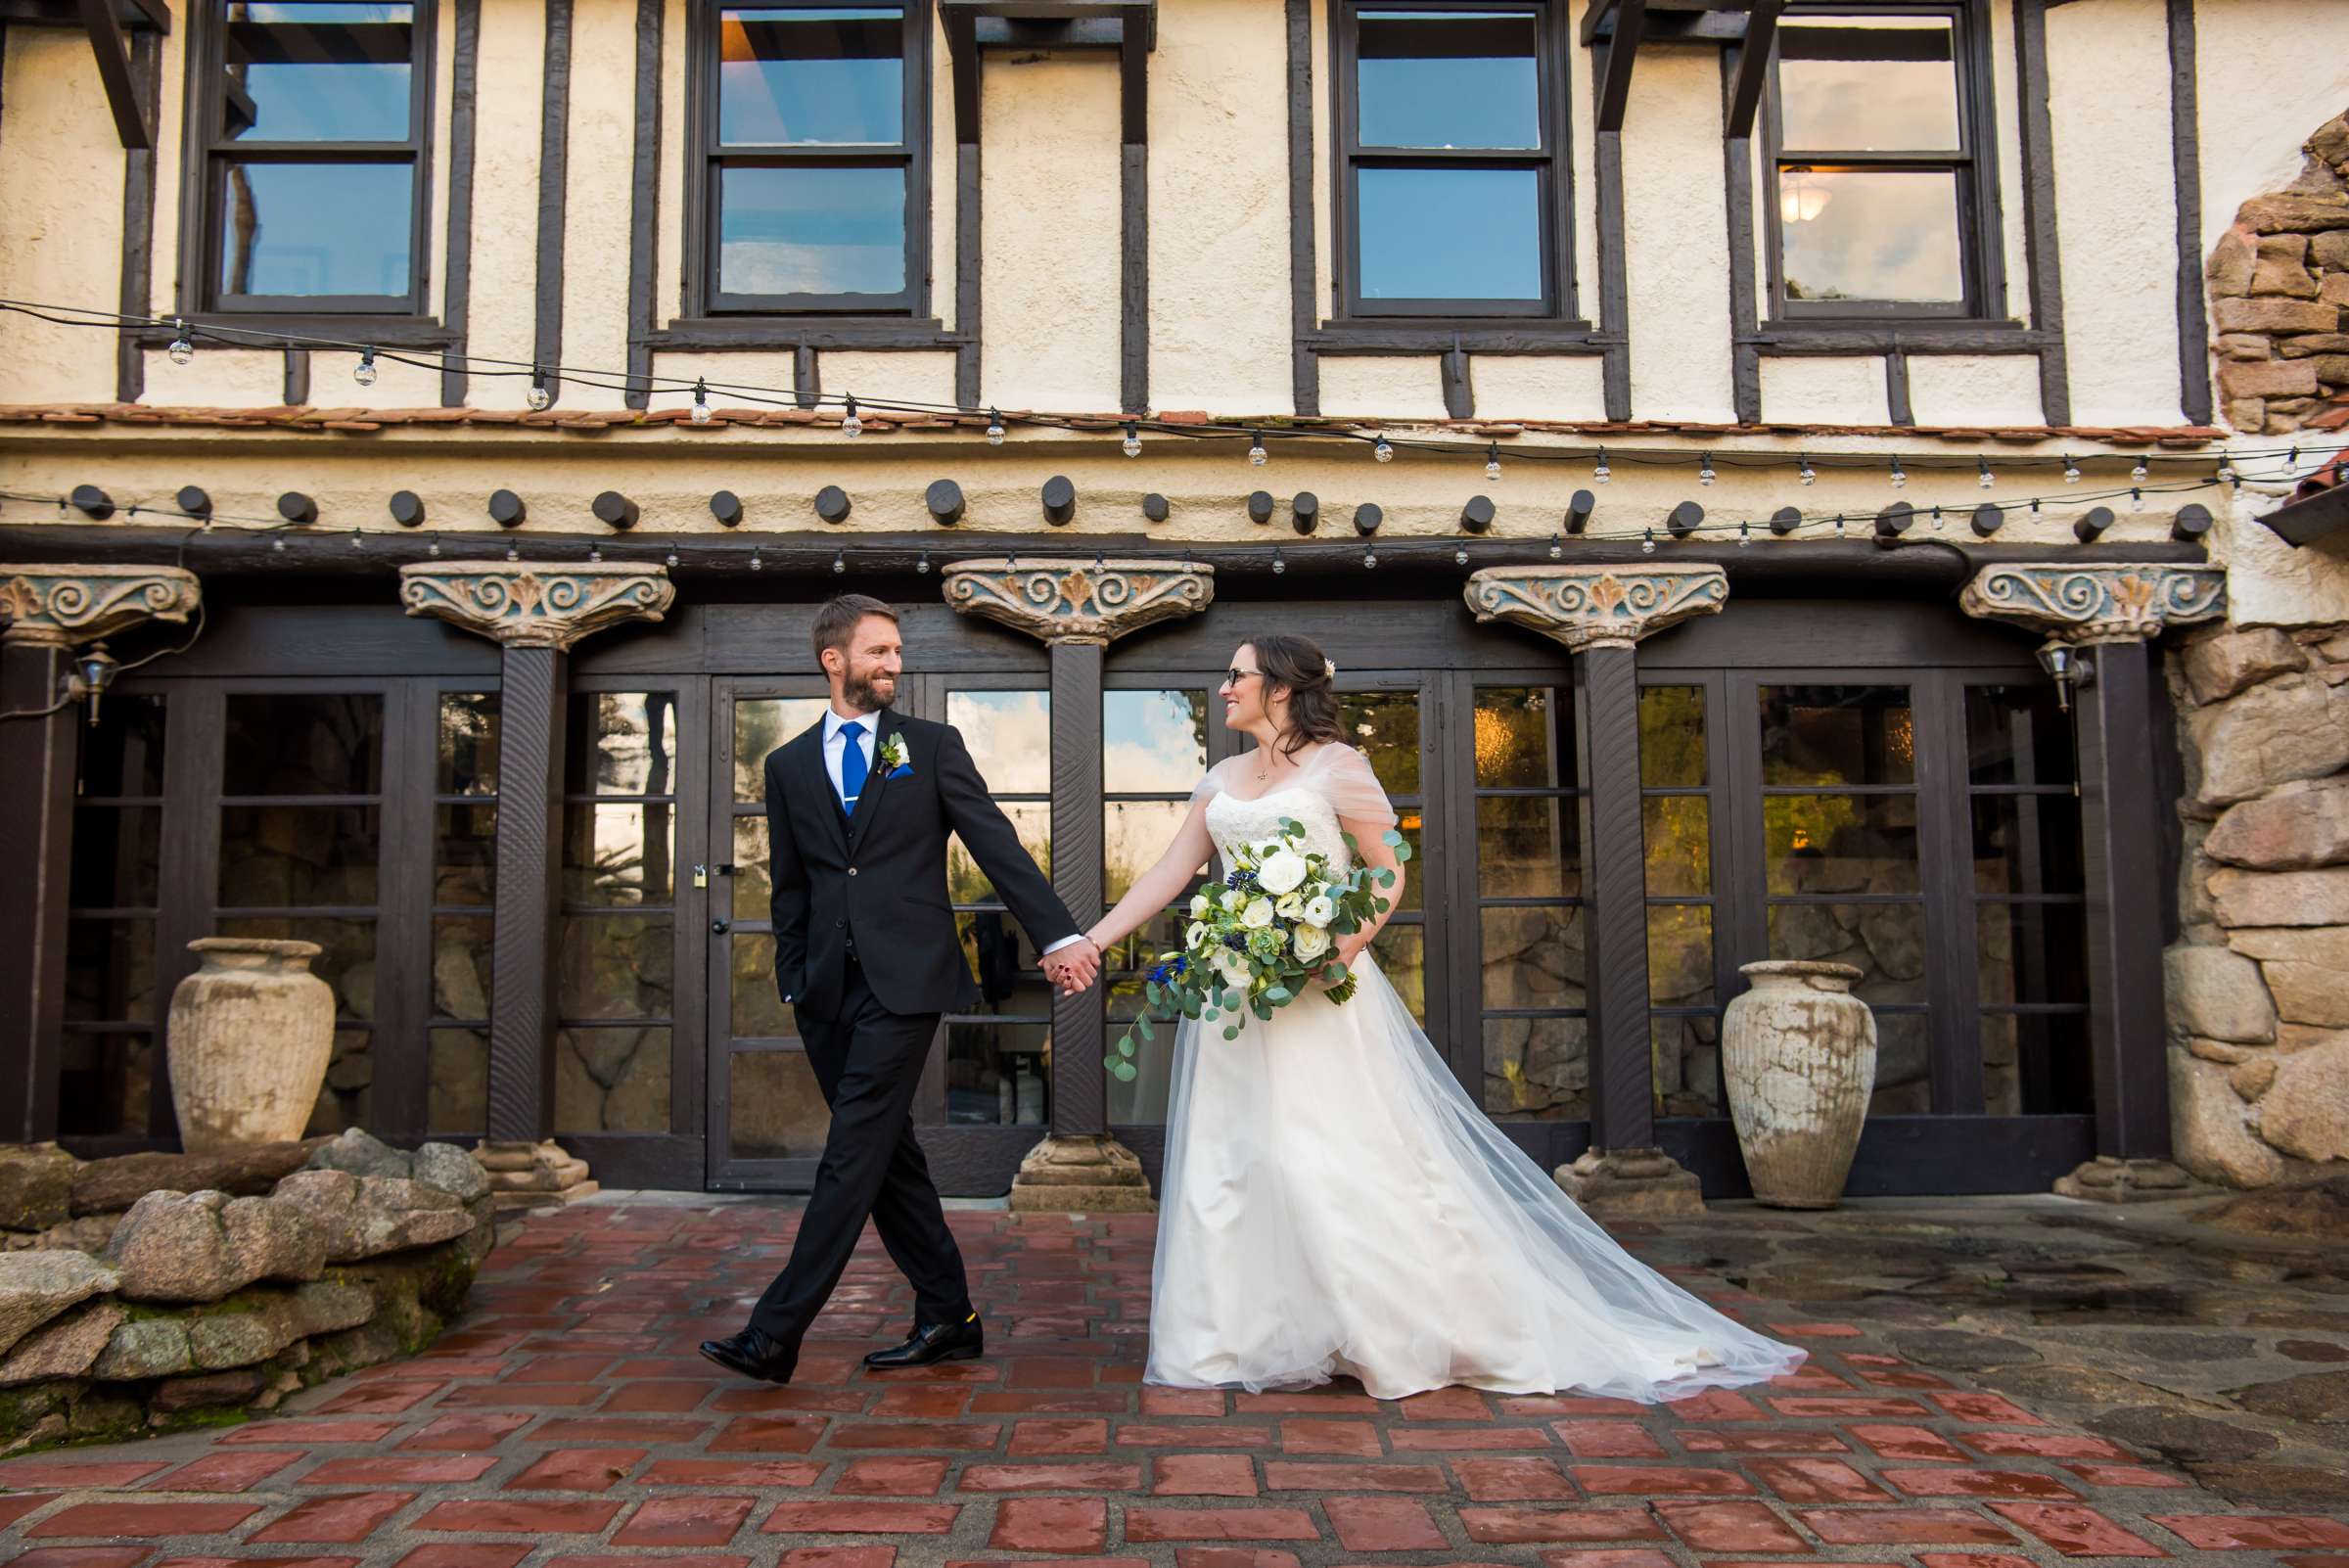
{"x": 1072, "y": 969}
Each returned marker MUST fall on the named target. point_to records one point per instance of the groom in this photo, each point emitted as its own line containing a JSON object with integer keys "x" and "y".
{"x": 858, "y": 812}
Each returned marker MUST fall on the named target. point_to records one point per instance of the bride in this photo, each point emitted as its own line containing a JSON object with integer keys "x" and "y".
{"x": 1334, "y": 1204}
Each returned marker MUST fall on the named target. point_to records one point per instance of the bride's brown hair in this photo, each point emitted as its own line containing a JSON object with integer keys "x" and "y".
{"x": 1298, "y": 663}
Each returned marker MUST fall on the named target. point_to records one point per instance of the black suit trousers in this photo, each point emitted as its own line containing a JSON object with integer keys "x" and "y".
{"x": 868, "y": 1063}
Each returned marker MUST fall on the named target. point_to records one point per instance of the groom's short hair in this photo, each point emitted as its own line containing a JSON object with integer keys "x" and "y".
{"x": 836, "y": 619}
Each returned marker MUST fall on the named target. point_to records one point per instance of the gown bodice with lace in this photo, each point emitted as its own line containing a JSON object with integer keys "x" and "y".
{"x": 1335, "y": 1204}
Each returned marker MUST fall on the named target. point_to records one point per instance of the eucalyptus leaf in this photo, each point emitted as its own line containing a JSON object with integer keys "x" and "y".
{"x": 1231, "y": 1032}
{"x": 1279, "y": 995}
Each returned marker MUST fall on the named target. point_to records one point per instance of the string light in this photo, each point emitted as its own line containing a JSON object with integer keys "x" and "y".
{"x": 757, "y": 565}
{"x": 356, "y": 542}
{"x": 595, "y": 552}
{"x": 1840, "y": 524}
{"x": 1369, "y": 560}
{"x": 1647, "y": 541}
{"x": 511, "y": 554}
{"x": 1382, "y": 450}
{"x": 1900, "y": 474}
{"x": 671, "y": 560}
{"x": 1937, "y": 516}
{"x": 700, "y": 402}
{"x": 839, "y": 561}
{"x": 539, "y": 397}
{"x": 1279, "y": 564}
{"x": 433, "y": 549}
{"x": 1255, "y": 449}
{"x": 1808, "y": 475}
{"x": 2071, "y": 469}
{"x": 2136, "y": 499}
{"x": 2139, "y": 474}
{"x": 1745, "y": 535}
{"x": 364, "y": 371}
{"x": 1557, "y": 548}
{"x": 1459, "y": 557}
{"x": 1600, "y": 474}
{"x": 1131, "y": 441}
{"x": 849, "y": 425}
{"x": 1492, "y": 460}
{"x": 995, "y": 428}
{"x": 921, "y": 568}
{"x": 1983, "y": 476}
{"x": 1704, "y": 475}
{"x": 181, "y": 350}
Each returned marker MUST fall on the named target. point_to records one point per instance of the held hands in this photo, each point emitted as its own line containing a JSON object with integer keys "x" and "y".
{"x": 1073, "y": 968}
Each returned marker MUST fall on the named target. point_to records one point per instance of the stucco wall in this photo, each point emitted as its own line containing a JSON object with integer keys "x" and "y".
{"x": 2270, "y": 72}
{"x": 57, "y": 138}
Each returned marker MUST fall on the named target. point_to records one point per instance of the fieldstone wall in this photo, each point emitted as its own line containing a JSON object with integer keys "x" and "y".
{"x": 154, "y": 1290}
{"x": 2258, "y": 986}
{"x": 2279, "y": 284}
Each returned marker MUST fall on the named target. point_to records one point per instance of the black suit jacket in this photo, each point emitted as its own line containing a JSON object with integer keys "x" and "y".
{"x": 880, "y": 877}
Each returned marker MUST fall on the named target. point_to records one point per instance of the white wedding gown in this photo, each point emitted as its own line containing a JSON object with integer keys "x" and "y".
{"x": 1335, "y": 1204}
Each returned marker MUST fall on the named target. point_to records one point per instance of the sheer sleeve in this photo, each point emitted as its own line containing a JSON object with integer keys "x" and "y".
{"x": 1352, "y": 788}
{"x": 1211, "y": 782}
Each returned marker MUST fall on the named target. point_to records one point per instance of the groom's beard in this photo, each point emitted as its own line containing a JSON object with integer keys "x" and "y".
{"x": 860, "y": 692}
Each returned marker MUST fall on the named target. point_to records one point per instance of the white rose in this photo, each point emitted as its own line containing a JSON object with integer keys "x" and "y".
{"x": 1281, "y": 871}
{"x": 1257, "y": 914}
{"x": 1231, "y": 966}
{"x": 1319, "y": 910}
{"x": 1199, "y": 907}
{"x": 1235, "y": 899}
{"x": 1312, "y": 942}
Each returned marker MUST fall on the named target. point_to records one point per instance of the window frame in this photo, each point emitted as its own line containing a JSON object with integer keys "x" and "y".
{"x": 707, "y": 158}
{"x": 1973, "y": 167}
{"x": 1552, "y": 164}
{"x": 207, "y": 153}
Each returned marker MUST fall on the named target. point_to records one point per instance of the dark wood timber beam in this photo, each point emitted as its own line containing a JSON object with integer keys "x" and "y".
{"x": 112, "y": 49}
{"x": 1614, "y": 87}
{"x": 1752, "y": 67}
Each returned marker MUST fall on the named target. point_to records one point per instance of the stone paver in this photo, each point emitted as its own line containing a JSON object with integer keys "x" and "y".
{"x": 1992, "y": 1385}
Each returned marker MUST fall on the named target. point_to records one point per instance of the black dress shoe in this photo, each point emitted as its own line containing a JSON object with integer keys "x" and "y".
{"x": 753, "y": 1355}
{"x": 940, "y": 1342}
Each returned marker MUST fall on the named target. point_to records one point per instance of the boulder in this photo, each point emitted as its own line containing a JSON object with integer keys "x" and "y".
{"x": 200, "y": 1246}
{"x": 207, "y": 1392}
{"x": 38, "y": 1286}
{"x": 89, "y": 1233}
{"x": 2290, "y": 728}
{"x": 2302, "y": 825}
{"x": 144, "y": 1348}
{"x": 2208, "y": 1132}
{"x": 218, "y": 1340}
{"x": 36, "y": 1186}
{"x": 2306, "y": 968}
{"x": 2217, "y": 667}
{"x": 108, "y": 1186}
{"x": 362, "y": 1216}
{"x": 452, "y": 1170}
{"x": 329, "y": 1306}
{"x": 2216, "y": 994}
{"x": 64, "y": 1348}
{"x": 2251, "y": 1079}
{"x": 360, "y": 1153}
{"x": 2211, "y": 1050}
{"x": 2305, "y": 1111}
{"x": 2281, "y": 897}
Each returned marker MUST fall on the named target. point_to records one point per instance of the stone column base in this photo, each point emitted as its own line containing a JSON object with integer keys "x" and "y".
{"x": 1631, "y": 1185}
{"x": 1087, "y": 1175}
{"x": 2108, "y": 1178}
{"x": 533, "y": 1175}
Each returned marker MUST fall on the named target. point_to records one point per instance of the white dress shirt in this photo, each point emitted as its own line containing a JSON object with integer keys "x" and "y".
{"x": 836, "y": 748}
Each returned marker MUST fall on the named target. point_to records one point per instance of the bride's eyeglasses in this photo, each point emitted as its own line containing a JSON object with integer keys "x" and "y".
{"x": 1232, "y": 678}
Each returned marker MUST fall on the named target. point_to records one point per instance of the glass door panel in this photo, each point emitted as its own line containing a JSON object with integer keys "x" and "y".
{"x": 767, "y": 1117}
{"x": 1155, "y": 742}
{"x": 1527, "y": 875}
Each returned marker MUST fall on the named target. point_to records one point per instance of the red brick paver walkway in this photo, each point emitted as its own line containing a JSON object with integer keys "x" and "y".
{"x": 569, "y": 1424}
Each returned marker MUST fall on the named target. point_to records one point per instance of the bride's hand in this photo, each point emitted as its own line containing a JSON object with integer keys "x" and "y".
{"x": 1342, "y": 954}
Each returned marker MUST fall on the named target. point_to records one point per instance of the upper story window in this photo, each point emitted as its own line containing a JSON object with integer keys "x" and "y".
{"x": 307, "y": 129}
{"x": 1882, "y": 199}
{"x": 1450, "y": 119}
{"x": 809, "y": 122}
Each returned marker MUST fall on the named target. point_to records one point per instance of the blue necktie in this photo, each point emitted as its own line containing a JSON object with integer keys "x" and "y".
{"x": 851, "y": 767}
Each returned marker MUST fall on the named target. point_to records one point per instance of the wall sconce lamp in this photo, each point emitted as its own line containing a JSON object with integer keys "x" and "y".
{"x": 93, "y": 671}
{"x": 2069, "y": 667}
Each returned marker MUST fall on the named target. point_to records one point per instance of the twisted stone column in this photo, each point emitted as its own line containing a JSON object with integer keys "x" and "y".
{"x": 1077, "y": 611}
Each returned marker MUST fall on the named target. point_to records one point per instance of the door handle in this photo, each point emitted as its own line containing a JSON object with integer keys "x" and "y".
{"x": 721, "y": 926}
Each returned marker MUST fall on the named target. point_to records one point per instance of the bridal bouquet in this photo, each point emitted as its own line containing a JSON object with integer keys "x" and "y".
{"x": 1256, "y": 940}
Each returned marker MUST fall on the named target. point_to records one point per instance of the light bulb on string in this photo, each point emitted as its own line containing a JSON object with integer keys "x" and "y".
{"x": 1600, "y": 473}
{"x": 513, "y": 554}
{"x": 1492, "y": 460}
{"x": 1704, "y": 472}
{"x": 1982, "y": 474}
{"x": 1459, "y": 557}
{"x": 1647, "y": 541}
{"x": 995, "y": 428}
{"x": 1369, "y": 560}
{"x": 849, "y": 425}
{"x": 757, "y": 565}
{"x": 1255, "y": 449}
{"x": 2138, "y": 472}
{"x": 539, "y": 397}
{"x": 279, "y": 545}
{"x": 2035, "y": 506}
{"x": 671, "y": 560}
{"x": 1840, "y": 524}
{"x": 433, "y": 549}
{"x": 921, "y": 568}
{"x": 356, "y": 543}
{"x": 182, "y": 350}
{"x": 1382, "y": 451}
{"x": 1279, "y": 564}
{"x": 1807, "y": 474}
{"x": 364, "y": 371}
{"x": 1900, "y": 474}
{"x": 1131, "y": 444}
{"x": 2071, "y": 469}
{"x": 839, "y": 561}
{"x": 2136, "y": 499}
{"x": 1557, "y": 548}
{"x": 700, "y": 402}
{"x": 1745, "y": 536}
{"x": 1937, "y": 516}
{"x": 595, "y": 552}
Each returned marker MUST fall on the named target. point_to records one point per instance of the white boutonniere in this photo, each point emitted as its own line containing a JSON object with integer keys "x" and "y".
{"x": 893, "y": 757}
